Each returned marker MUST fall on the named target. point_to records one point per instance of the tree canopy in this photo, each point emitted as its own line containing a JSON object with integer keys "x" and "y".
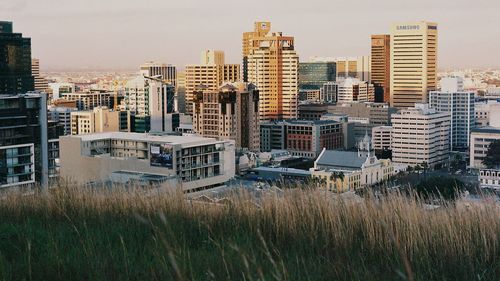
{"x": 492, "y": 159}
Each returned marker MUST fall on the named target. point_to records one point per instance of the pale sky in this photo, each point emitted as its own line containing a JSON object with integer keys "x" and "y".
{"x": 121, "y": 34}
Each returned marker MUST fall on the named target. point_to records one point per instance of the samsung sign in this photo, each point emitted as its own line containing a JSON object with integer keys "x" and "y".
{"x": 408, "y": 27}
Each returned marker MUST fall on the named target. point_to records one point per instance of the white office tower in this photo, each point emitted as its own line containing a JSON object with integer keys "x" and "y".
{"x": 460, "y": 104}
{"x": 421, "y": 136}
{"x": 351, "y": 89}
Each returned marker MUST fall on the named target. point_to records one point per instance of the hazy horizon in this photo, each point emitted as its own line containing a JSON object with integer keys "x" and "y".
{"x": 92, "y": 34}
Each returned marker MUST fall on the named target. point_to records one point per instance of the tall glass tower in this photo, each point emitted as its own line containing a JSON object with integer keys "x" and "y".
{"x": 15, "y": 61}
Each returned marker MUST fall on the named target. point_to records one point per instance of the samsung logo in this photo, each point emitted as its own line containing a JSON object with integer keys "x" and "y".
{"x": 408, "y": 27}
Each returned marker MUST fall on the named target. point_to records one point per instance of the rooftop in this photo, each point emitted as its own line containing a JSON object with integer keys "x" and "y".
{"x": 337, "y": 158}
{"x": 487, "y": 129}
{"x": 146, "y": 137}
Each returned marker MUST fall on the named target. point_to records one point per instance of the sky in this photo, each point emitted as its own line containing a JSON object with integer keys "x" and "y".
{"x": 122, "y": 34}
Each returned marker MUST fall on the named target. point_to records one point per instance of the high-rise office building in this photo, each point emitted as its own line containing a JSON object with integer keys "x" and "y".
{"x": 251, "y": 41}
{"x": 381, "y": 67}
{"x": 87, "y": 100}
{"x": 40, "y": 82}
{"x": 421, "y": 135}
{"x": 181, "y": 91}
{"x": 15, "y": 62}
{"x": 413, "y": 62}
{"x": 460, "y": 104}
{"x": 230, "y": 113}
{"x": 167, "y": 72}
{"x": 151, "y": 103}
{"x": 212, "y": 72}
{"x": 271, "y": 63}
{"x": 28, "y": 141}
{"x": 312, "y": 75}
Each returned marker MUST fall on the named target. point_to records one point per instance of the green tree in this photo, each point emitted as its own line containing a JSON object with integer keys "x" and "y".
{"x": 492, "y": 159}
{"x": 447, "y": 188}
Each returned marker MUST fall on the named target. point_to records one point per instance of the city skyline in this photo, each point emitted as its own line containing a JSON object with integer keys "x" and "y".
{"x": 117, "y": 35}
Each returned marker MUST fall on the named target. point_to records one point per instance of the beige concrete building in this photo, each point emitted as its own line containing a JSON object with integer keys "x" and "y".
{"x": 212, "y": 72}
{"x": 480, "y": 140}
{"x": 271, "y": 63}
{"x": 99, "y": 120}
{"x": 352, "y": 89}
{"x": 413, "y": 62}
{"x": 192, "y": 163}
{"x": 421, "y": 135}
{"x": 230, "y": 113}
{"x": 381, "y": 138}
{"x": 380, "y": 70}
{"x": 41, "y": 83}
{"x": 89, "y": 100}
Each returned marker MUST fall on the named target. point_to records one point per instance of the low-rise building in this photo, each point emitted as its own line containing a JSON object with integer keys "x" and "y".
{"x": 480, "y": 140}
{"x": 61, "y": 115}
{"x": 89, "y": 100}
{"x": 342, "y": 171}
{"x": 197, "y": 163}
{"x": 302, "y": 137}
{"x": 489, "y": 178}
{"x": 99, "y": 120}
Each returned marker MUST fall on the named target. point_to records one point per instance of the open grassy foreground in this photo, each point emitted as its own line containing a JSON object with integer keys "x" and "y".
{"x": 73, "y": 235}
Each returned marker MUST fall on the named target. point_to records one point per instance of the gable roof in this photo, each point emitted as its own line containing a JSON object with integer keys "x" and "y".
{"x": 334, "y": 158}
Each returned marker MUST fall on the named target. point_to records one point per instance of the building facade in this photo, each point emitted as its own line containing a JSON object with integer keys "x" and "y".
{"x": 166, "y": 72}
{"x": 413, "y": 62}
{"x": 421, "y": 136}
{"x": 461, "y": 106}
{"x": 212, "y": 72}
{"x": 15, "y": 62}
{"x": 341, "y": 171}
{"x": 40, "y": 82}
{"x": 88, "y": 100}
{"x": 194, "y": 163}
{"x": 152, "y": 105}
{"x": 271, "y": 63}
{"x": 312, "y": 75}
{"x": 381, "y": 67}
{"x": 301, "y": 137}
{"x": 62, "y": 116}
{"x": 25, "y": 133}
{"x": 480, "y": 140}
{"x": 230, "y": 113}
{"x": 381, "y": 138}
{"x": 99, "y": 120}
{"x": 350, "y": 89}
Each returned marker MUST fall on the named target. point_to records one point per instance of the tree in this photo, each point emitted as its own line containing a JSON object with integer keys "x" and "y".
{"x": 492, "y": 159}
{"x": 447, "y": 188}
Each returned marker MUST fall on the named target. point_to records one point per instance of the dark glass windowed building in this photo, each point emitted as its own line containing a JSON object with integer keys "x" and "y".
{"x": 15, "y": 62}
{"x": 312, "y": 75}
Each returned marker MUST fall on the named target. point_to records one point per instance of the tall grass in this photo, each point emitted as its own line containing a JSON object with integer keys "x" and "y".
{"x": 303, "y": 235}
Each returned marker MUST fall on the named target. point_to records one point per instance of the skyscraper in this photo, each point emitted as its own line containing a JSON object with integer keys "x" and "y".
{"x": 15, "y": 61}
{"x": 460, "y": 104}
{"x": 381, "y": 67}
{"x": 413, "y": 62}
{"x": 250, "y": 42}
{"x": 40, "y": 82}
{"x": 211, "y": 72}
{"x": 271, "y": 63}
{"x": 232, "y": 112}
{"x": 167, "y": 72}
{"x": 152, "y": 105}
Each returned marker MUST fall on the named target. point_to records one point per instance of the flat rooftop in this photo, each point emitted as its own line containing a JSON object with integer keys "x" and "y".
{"x": 149, "y": 137}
